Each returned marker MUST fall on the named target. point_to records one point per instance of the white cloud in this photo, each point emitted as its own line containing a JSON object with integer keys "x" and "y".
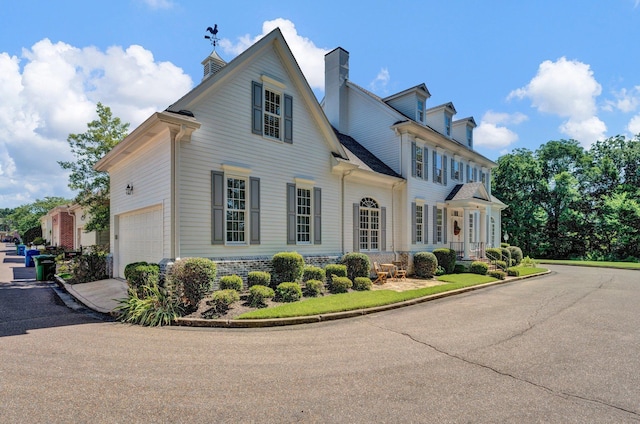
{"x": 567, "y": 88}
{"x": 159, "y": 4}
{"x": 634, "y": 124}
{"x": 310, "y": 58}
{"x": 626, "y": 100}
{"x": 379, "y": 84}
{"x": 55, "y": 94}
{"x": 492, "y": 132}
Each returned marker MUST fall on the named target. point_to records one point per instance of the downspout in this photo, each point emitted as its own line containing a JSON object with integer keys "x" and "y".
{"x": 344, "y": 175}
{"x": 393, "y": 220}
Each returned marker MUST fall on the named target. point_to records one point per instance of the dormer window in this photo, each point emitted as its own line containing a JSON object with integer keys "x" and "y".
{"x": 469, "y": 138}
{"x": 420, "y": 112}
{"x": 447, "y": 125}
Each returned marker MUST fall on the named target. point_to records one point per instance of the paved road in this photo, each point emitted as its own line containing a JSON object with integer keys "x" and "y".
{"x": 562, "y": 348}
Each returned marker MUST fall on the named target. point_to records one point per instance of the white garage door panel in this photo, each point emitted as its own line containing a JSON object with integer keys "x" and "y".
{"x": 140, "y": 237}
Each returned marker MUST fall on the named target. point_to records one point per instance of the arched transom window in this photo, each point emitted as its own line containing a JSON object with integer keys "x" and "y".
{"x": 369, "y": 225}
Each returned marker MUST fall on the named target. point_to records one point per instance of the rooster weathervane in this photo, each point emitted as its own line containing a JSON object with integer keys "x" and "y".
{"x": 214, "y": 35}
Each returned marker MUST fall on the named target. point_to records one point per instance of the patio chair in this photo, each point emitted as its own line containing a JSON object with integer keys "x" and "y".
{"x": 380, "y": 274}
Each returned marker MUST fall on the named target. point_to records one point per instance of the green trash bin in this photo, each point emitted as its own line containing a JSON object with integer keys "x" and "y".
{"x": 45, "y": 267}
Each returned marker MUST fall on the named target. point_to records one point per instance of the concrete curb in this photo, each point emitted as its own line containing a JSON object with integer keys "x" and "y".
{"x": 279, "y": 322}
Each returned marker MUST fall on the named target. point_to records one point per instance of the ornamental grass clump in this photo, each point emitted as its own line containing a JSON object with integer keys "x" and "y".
{"x": 154, "y": 307}
{"x": 233, "y": 282}
{"x": 191, "y": 279}
{"x": 425, "y": 264}
{"x": 288, "y": 292}
{"x": 287, "y": 266}
{"x": 358, "y": 265}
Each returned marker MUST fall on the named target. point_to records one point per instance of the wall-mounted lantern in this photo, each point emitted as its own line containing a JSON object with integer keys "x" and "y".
{"x": 129, "y": 189}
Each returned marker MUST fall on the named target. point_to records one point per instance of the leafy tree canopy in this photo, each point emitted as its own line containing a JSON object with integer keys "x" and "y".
{"x": 88, "y": 148}
{"x": 25, "y": 217}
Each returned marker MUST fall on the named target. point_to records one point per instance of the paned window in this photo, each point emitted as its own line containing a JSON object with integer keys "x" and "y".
{"x": 369, "y": 239}
{"x": 419, "y": 162}
{"x": 419, "y": 224}
{"x": 236, "y": 210}
{"x": 493, "y": 232}
{"x": 471, "y": 227}
{"x": 271, "y": 114}
{"x": 456, "y": 167}
{"x": 469, "y": 137}
{"x": 437, "y": 167}
{"x": 303, "y": 215}
{"x": 420, "y": 111}
{"x": 447, "y": 125}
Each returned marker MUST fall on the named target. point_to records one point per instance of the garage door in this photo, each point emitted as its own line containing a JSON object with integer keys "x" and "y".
{"x": 140, "y": 237}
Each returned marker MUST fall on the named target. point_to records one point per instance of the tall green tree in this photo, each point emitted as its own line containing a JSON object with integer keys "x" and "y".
{"x": 26, "y": 217}
{"x": 88, "y": 148}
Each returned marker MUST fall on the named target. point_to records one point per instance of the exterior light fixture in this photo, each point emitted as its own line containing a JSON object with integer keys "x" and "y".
{"x": 129, "y": 189}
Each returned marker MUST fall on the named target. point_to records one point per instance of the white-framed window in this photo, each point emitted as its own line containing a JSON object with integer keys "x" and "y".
{"x": 472, "y": 237}
{"x": 419, "y": 162}
{"x": 369, "y": 225}
{"x": 272, "y": 113}
{"x": 456, "y": 169}
{"x": 447, "y": 125}
{"x": 470, "y": 138}
{"x": 493, "y": 232}
{"x": 303, "y": 215}
{"x": 437, "y": 167}
{"x": 236, "y": 210}
{"x": 475, "y": 174}
{"x": 439, "y": 224}
{"x": 420, "y": 111}
{"x": 420, "y": 223}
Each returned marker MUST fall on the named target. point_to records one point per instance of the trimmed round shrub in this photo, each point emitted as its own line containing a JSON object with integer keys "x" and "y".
{"x": 446, "y": 259}
{"x": 191, "y": 279}
{"x": 258, "y": 294}
{"x": 313, "y": 288}
{"x": 494, "y": 254}
{"x": 129, "y": 267}
{"x": 287, "y": 266}
{"x": 362, "y": 283}
{"x": 340, "y": 284}
{"x": 288, "y": 292}
{"x": 258, "y": 278}
{"x": 516, "y": 254}
{"x": 141, "y": 275}
{"x": 504, "y": 244}
{"x": 311, "y": 272}
{"x": 358, "y": 265}
{"x": 478, "y": 267}
{"x": 513, "y": 272}
{"x": 506, "y": 255}
{"x": 425, "y": 264}
{"x": 460, "y": 269}
{"x": 222, "y": 299}
{"x": 500, "y": 275}
{"x": 335, "y": 269}
{"x": 233, "y": 282}
{"x": 501, "y": 264}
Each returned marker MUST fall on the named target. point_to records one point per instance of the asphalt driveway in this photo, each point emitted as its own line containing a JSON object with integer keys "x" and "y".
{"x": 558, "y": 348}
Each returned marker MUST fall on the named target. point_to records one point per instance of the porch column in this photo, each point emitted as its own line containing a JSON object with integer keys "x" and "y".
{"x": 483, "y": 226}
{"x": 466, "y": 236}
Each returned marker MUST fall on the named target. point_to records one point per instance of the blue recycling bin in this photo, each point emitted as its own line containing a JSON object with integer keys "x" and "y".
{"x": 28, "y": 257}
{"x": 21, "y": 249}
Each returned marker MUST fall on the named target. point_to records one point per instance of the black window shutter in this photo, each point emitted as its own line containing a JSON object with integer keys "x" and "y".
{"x": 444, "y": 225}
{"x": 413, "y": 223}
{"x": 291, "y": 213}
{"x": 435, "y": 224}
{"x": 356, "y": 227}
{"x": 413, "y": 159}
{"x": 435, "y": 176}
{"x": 383, "y": 229}
{"x": 444, "y": 169}
{"x": 254, "y": 208}
{"x": 217, "y": 207}
{"x": 288, "y": 119}
{"x": 317, "y": 215}
{"x": 256, "y": 106}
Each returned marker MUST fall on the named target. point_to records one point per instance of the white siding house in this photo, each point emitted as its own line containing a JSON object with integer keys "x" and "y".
{"x": 247, "y": 165}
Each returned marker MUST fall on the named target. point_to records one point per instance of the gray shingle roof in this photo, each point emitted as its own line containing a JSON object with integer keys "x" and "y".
{"x": 359, "y": 155}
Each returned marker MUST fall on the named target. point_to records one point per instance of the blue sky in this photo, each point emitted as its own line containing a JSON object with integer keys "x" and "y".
{"x": 527, "y": 71}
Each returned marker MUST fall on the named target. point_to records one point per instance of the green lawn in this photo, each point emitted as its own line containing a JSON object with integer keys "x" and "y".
{"x": 365, "y": 299}
{"x": 620, "y": 265}
{"x": 524, "y": 271}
